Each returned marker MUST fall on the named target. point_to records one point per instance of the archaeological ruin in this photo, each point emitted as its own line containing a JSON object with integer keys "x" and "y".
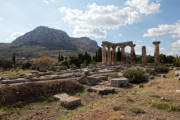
{"x": 109, "y": 52}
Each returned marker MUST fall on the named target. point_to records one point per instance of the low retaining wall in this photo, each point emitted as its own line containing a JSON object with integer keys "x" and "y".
{"x": 27, "y": 92}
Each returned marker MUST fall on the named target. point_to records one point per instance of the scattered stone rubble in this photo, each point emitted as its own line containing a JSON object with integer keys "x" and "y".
{"x": 177, "y": 74}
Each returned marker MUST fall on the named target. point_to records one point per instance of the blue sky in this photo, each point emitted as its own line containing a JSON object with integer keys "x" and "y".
{"x": 140, "y": 21}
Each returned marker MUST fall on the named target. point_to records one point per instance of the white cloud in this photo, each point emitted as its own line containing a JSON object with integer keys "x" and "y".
{"x": 144, "y": 6}
{"x": 176, "y": 44}
{"x": 1, "y": 19}
{"x": 48, "y": 1}
{"x": 97, "y": 20}
{"x": 15, "y": 35}
{"x": 164, "y": 29}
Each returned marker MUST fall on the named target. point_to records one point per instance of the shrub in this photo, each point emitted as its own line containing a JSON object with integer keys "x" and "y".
{"x": 165, "y": 106}
{"x": 150, "y": 59}
{"x": 26, "y": 65}
{"x": 135, "y": 76}
{"x": 64, "y": 63}
{"x": 177, "y": 62}
{"x": 119, "y": 107}
{"x": 76, "y": 61}
{"x": 161, "y": 69}
{"x": 6, "y": 64}
{"x": 137, "y": 110}
{"x": 44, "y": 62}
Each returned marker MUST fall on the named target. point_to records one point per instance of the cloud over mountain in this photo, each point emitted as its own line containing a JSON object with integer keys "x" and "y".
{"x": 15, "y": 35}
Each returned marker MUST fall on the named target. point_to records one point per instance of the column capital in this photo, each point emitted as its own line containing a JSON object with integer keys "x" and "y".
{"x": 156, "y": 42}
{"x": 143, "y": 46}
{"x": 132, "y": 46}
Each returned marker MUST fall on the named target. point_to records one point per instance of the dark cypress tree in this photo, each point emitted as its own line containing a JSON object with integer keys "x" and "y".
{"x": 99, "y": 55}
{"x": 96, "y": 57}
{"x": 87, "y": 58}
{"x": 118, "y": 55}
{"x": 14, "y": 59}
{"x": 60, "y": 57}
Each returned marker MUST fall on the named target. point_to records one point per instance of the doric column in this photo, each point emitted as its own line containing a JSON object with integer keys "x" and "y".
{"x": 133, "y": 54}
{"x": 123, "y": 59}
{"x": 156, "y": 52}
{"x": 109, "y": 55}
{"x": 144, "y": 55}
{"x": 114, "y": 55}
{"x": 104, "y": 59}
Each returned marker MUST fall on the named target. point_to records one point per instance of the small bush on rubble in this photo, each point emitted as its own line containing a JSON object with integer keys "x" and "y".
{"x": 161, "y": 69}
{"x": 44, "y": 62}
{"x": 135, "y": 76}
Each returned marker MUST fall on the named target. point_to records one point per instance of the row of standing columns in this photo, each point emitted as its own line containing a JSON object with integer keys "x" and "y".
{"x": 108, "y": 58}
{"x": 156, "y": 54}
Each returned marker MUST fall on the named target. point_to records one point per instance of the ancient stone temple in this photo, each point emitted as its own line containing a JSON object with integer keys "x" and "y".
{"x": 109, "y": 52}
{"x": 156, "y": 52}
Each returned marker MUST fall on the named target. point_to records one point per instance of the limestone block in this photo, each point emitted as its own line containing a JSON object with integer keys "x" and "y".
{"x": 68, "y": 101}
{"x": 119, "y": 82}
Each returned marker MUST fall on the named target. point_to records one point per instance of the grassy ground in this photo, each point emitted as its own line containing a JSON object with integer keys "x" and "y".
{"x": 158, "y": 100}
{"x": 13, "y": 72}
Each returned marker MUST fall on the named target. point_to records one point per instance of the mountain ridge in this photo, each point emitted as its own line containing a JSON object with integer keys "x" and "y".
{"x": 50, "y": 40}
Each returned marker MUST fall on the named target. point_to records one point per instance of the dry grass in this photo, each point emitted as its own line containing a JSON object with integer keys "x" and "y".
{"x": 13, "y": 72}
{"x": 127, "y": 104}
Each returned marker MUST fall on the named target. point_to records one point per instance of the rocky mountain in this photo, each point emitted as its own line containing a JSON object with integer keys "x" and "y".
{"x": 44, "y": 41}
{"x": 55, "y": 39}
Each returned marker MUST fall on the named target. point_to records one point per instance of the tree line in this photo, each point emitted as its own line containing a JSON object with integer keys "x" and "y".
{"x": 82, "y": 59}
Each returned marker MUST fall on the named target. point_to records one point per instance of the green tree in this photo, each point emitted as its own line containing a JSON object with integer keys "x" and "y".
{"x": 87, "y": 58}
{"x": 150, "y": 59}
{"x": 99, "y": 55}
{"x": 75, "y": 61}
{"x": 14, "y": 59}
{"x": 163, "y": 58}
{"x": 170, "y": 59}
{"x": 26, "y": 65}
{"x": 138, "y": 59}
{"x": 60, "y": 57}
{"x": 6, "y": 64}
{"x": 118, "y": 55}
